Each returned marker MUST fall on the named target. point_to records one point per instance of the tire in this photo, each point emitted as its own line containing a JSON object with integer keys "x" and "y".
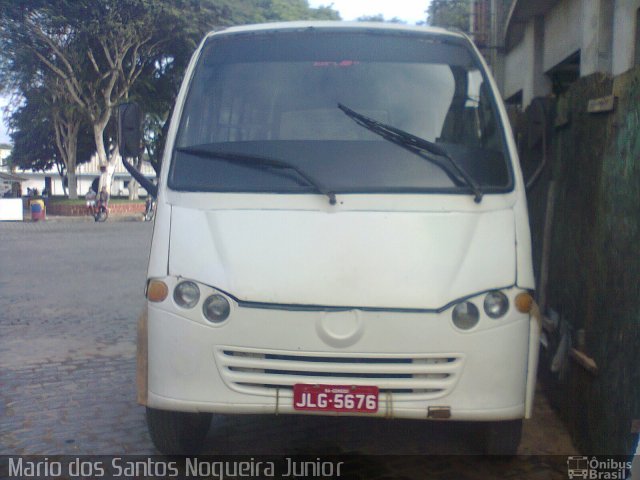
{"x": 151, "y": 213}
{"x": 502, "y": 438}
{"x": 177, "y": 433}
{"x": 102, "y": 215}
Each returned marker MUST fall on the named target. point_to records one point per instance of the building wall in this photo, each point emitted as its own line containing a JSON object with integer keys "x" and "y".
{"x": 624, "y": 35}
{"x": 524, "y": 65}
{"x": 603, "y": 31}
{"x": 597, "y": 24}
{"x": 85, "y": 173}
{"x": 593, "y": 263}
{"x": 5, "y": 151}
{"x": 562, "y": 32}
{"x": 487, "y": 31}
{"x": 518, "y": 66}
{"x": 37, "y": 180}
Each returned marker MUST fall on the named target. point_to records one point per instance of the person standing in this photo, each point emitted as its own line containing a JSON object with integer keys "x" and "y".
{"x": 90, "y": 197}
{"x": 103, "y": 178}
{"x": 103, "y": 197}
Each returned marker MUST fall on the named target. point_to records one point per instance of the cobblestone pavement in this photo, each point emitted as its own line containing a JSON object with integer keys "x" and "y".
{"x": 71, "y": 293}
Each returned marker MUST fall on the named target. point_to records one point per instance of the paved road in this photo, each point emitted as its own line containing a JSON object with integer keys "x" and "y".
{"x": 70, "y": 295}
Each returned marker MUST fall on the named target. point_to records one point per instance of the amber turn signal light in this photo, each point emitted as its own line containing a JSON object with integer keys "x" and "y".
{"x": 157, "y": 291}
{"x": 524, "y": 302}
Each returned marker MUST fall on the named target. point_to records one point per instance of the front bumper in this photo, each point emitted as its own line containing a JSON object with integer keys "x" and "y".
{"x": 249, "y": 363}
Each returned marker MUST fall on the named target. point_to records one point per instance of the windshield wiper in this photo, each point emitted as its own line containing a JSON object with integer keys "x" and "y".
{"x": 258, "y": 161}
{"x": 418, "y": 146}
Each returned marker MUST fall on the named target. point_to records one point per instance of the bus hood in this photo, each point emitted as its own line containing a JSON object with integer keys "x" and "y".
{"x": 416, "y": 260}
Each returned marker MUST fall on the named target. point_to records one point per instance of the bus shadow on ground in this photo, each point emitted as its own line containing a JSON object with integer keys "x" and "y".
{"x": 377, "y": 449}
{"x": 287, "y": 434}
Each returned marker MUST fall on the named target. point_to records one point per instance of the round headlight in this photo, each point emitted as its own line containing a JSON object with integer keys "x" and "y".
{"x": 496, "y": 304}
{"x": 465, "y": 315}
{"x": 186, "y": 294}
{"x": 216, "y": 308}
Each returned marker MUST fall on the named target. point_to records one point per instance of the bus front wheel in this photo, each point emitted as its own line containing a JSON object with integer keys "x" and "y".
{"x": 177, "y": 433}
{"x": 502, "y": 438}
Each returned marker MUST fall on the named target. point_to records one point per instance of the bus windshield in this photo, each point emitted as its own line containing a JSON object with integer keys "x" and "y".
{"x": 278, "y": 96}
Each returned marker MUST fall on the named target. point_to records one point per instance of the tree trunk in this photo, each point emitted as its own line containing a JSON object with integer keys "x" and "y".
{"x": 72, "y": 146}
{"x": 62, "y": 168}
{"x": 111, "y": 167}
{"x": 73, "y": 184}
{"x": 98, "y": 132}
{"x": 106, "y": 177}
{"x": 133, "y": 183}
{"x": 66, "y": 134}
{"x": 133, "y": 189}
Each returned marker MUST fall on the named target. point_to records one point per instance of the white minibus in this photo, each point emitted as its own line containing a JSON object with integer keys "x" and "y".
{"x": 341, "y": 229}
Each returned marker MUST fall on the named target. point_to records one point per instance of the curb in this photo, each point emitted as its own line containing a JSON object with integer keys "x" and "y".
{"x": 86, "y": 219}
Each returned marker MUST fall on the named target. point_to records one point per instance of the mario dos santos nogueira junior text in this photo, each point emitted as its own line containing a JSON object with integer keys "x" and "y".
{"x": 188, "y": 467}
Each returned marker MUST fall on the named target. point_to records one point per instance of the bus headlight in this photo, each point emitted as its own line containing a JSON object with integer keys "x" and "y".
{"x": 186, "y": 294}
{"x": 496, "y": 304}
{"x": 465, "y": 315}
{"x": 216, "y": 308}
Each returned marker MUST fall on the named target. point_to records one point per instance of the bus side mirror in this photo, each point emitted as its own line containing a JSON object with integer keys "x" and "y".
{"x": 130, "y": 141}
{"x": 129, "y": 130}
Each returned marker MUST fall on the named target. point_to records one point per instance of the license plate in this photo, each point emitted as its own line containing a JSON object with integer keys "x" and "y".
{"x": 335, "y": 398}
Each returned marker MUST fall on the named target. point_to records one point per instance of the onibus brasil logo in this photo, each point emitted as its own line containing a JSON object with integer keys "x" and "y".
{"x": 594, "y": 468}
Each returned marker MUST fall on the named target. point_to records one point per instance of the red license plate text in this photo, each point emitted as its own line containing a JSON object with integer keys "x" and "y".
{"x": 335, "y": 398}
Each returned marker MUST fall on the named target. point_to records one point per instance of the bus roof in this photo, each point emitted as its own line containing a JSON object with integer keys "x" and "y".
{"x": 338, "y": 25}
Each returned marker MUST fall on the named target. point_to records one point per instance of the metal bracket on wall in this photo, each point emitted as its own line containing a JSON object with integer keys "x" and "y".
{"x": 602, "y": 104}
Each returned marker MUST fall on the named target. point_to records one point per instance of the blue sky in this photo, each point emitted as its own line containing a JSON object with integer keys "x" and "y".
{"x": 4, "y": 138}
{"x": 411, "y": 11}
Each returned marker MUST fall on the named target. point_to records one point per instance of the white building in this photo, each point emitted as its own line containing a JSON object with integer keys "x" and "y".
{"x": 7, "y": 179}
{"x": 85, "y": 173}
{"x": 550, "y": 43}
{"x": 5, "y": 151}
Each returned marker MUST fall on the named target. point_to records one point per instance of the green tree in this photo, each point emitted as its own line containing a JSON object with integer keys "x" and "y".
{"x": 282, "y": 10}
{"x": 379, "y": 18}
{"x": 67, "y": 120}
{"x": 32, "y": 135}
{"x": 103, "y": 52}
{"x": 94, "y": 49}
{"x": 46, "y": 119}
{"x": 41, "y": 137}
{"x": 158, "y": 85}
{"x": 162, "y": 73}
{"x": 450, "y": 14}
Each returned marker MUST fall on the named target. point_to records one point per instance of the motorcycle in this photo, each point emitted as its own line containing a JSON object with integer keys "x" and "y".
{"x": 101, "y": 212}
{"x": 149, "y": 209}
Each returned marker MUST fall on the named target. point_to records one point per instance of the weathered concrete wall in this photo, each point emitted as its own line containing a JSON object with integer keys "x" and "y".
{"x": 597, "y": 25}
{"x": 562, "y": 32}
{"x": 516, "y": 67}
{"x": 603, "y": 31}
{"x": 615, "y": 339}
{"x": 524, "y": 65}
{"x": 595, "y": 265}
{"x": 624, "y": 34}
